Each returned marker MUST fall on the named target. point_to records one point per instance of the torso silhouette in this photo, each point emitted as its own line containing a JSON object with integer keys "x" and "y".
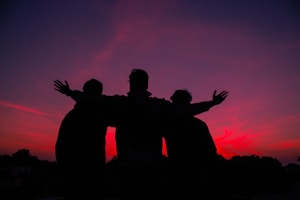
{"x": 189, "y": 140}
{"x": 81, "y": 138}
{"x": 191, "y": 154}
{"x": 139, "y": 130}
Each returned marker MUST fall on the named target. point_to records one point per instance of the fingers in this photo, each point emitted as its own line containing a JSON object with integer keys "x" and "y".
{"x": 58, "y": 82}
{"x": 214, "y": 94}
{"x": 220, "y": 97}
{"x": 224, "y": 93}
{"x": 67, "y": 84}
{"x": 59, "y": 86}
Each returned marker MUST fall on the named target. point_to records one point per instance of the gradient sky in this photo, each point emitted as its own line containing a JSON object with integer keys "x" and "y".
{"x": 250, "y": 48}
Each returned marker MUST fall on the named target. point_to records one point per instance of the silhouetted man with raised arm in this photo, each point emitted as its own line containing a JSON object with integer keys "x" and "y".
{"x": 139, "y": 120}
{"x": 80, "y": 147}
{"x": 192, "y": 153}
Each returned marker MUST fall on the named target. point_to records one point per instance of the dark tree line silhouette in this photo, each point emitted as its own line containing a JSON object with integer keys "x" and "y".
{"x": 24, "y": 176}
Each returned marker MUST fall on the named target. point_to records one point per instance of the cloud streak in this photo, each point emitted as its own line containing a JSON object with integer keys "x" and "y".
{"x": 24, "y": 109}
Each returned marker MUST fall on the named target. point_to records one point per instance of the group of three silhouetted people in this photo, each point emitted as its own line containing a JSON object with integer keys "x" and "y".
{"x": 141, "y": 122}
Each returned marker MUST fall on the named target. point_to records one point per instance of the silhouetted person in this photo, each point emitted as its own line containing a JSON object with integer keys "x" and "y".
{"x": 191, "y": 150}
{"x": 80, "y": 147}
{"x": 139, "y": 120}
{"x": 139, "y": 140}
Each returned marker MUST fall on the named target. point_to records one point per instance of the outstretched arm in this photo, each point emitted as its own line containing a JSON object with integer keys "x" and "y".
{"x": 197, "y": 108}
{"x": 76, "y": 95}
{"x": 103, "y": 100}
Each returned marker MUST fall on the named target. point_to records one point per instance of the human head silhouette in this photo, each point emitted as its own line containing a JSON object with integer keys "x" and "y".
{"x": 93, "y": 86}
{"x": 138, "y": 80}
{"x": 181, "y": 97}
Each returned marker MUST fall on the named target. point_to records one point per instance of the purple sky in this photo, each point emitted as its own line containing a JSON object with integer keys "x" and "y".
{"x": 250, "y": 48}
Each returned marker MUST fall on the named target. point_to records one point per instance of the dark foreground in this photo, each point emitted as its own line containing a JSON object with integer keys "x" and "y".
{"x": 23, "y": 176}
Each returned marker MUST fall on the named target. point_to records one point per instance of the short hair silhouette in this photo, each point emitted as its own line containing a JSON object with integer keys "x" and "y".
{"x": 181, "y": 96}
{"x": 93, "y": 86}
{"x": 138, "y": 80}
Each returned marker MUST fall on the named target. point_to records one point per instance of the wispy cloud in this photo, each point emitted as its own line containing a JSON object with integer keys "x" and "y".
{"x": 24, "y": 109}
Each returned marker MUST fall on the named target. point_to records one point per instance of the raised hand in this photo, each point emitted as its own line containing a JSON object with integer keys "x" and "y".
{"x": 219, "y": 98}
{"x": 62, "y": 88}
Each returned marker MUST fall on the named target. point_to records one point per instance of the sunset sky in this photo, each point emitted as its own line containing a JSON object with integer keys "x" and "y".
{"x": 249, "y": 48}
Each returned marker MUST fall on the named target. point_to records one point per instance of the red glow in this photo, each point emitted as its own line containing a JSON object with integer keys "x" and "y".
{"x": 227, "y": 143}
{"x": 111, "y": 145}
